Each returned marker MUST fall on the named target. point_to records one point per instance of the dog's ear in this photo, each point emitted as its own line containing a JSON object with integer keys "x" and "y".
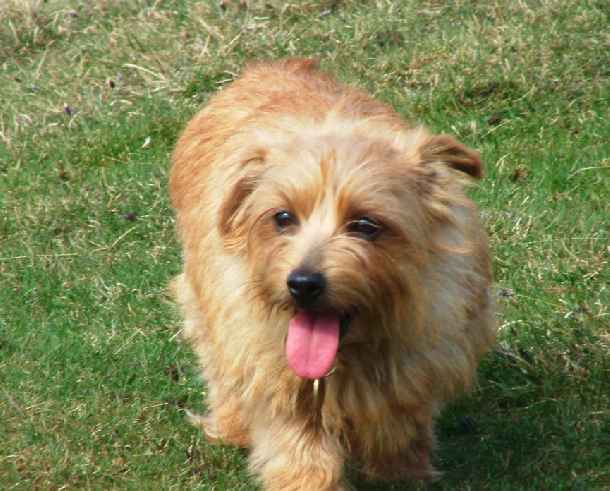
{"x": 446, "y": 149}
{"x": 232, "y": 211}
{"x": 233, "y": 214}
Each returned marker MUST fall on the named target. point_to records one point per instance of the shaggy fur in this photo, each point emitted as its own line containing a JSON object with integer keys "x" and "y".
{"x": 285, "y": 136}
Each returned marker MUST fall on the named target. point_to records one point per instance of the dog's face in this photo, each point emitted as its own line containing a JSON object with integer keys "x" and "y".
{"x": 335, "y": 230}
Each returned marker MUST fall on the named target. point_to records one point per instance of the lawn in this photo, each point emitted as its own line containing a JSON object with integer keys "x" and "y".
{"x": 93, "y": 377}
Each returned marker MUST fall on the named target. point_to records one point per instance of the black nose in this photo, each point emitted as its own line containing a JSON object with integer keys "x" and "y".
{"x": 305, "y": 286}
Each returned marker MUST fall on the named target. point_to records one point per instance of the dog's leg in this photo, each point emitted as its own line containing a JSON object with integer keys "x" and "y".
{"x": 412, "y": 463}
{"x": 289, "y": 455}
{"x": 223, "y": 423}
{"x": 219, "y": 430}
{"x": 409, "y": 459}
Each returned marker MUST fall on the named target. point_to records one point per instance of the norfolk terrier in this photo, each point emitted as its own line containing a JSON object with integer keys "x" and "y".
{"x": 336, "y": 277}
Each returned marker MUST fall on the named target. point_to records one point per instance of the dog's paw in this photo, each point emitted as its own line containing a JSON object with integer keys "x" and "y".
{"x": 213, "y": 433}
{"x": 207, "y": 425}
{"x": 412, "y": 466}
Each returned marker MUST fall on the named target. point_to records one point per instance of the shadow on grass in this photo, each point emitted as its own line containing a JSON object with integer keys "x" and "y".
{"x": 529, "y": 434}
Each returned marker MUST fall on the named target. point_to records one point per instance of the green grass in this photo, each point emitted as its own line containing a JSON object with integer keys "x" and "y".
{"x": 93, "y": 381}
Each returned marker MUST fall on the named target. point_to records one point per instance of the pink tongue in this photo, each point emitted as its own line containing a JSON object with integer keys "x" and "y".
{"x": 312, "y": 343}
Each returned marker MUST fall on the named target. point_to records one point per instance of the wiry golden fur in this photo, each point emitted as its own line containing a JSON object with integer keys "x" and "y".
{"x": 286, "y": 137}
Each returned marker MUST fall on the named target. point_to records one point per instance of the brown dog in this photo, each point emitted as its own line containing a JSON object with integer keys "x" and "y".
{"x": 336, "y": 278}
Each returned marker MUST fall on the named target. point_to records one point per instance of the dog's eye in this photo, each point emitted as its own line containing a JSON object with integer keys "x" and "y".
{"x": 284, "y": 219}
{"x": 365, "y": 227}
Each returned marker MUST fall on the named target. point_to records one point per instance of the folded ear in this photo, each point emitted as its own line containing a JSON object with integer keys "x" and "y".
{"x": 446, "y": 149}
{"x": 233, "y": 213}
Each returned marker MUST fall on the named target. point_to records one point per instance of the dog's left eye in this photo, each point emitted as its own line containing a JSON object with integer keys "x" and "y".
{"x": 284, "y": 219}
{"x": 365, "y": 227}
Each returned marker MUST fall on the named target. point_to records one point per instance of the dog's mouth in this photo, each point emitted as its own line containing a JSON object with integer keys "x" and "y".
{"x": 313, "y": 342}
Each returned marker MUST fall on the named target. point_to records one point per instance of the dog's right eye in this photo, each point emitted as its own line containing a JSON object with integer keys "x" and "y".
{"x": 365, "y": 227}
{"x": 284, "y": 219}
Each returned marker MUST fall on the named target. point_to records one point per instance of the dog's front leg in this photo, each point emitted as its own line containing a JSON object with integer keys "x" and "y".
{"x": 290, "y": 454}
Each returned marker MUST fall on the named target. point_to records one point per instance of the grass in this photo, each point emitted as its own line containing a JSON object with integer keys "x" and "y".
{"x": 93, "y": 381}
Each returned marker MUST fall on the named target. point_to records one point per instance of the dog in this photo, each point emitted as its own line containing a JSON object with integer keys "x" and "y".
{"x": 336, "y": 281}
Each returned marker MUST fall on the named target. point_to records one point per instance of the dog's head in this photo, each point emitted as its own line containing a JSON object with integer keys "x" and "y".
{"x": 336, "y": 229}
